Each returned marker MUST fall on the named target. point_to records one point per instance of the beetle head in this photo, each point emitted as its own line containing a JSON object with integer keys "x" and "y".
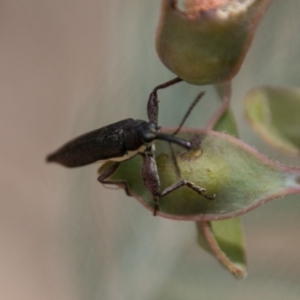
{"x": 149, "y": 132}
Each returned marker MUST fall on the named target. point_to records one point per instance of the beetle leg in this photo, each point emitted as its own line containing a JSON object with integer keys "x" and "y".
{"x": 108, "y": 172}
{"x": 152, "y": 106}
{"x": 151, "y": 178}
{"x": 201, "y": 191}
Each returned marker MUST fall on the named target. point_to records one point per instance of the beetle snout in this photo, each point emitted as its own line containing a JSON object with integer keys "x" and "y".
{"x": 148, "y": 132}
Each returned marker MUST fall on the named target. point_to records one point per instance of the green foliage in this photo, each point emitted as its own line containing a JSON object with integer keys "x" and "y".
{"x": 203, "y": 49}
{"x": 273, "y": 111}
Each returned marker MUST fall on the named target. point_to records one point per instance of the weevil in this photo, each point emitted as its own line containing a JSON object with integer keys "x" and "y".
{"x": 125, "y": 139}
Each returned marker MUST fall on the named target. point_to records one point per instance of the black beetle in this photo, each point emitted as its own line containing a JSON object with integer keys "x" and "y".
{"x": 123, "y": 140}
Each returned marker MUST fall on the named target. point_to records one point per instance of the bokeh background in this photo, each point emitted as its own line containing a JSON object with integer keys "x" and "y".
{"x": 70, "y": 66}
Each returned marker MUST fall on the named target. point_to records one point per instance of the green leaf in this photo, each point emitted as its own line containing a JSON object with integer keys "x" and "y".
{"x": 241, "y": 178}
{"x": 226, "y": 123}
{"x": 273, "y": 112}
{"x": 225, "y": 240}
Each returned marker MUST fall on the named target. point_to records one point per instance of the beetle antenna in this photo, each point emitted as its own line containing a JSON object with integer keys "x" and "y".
{"x": 194, "y": 103}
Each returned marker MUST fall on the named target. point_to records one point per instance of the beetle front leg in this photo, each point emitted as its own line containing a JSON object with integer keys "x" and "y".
{"x": 152, "y": 106}
{"x": 108, "y": 172}
{"x": 151, "y": 178}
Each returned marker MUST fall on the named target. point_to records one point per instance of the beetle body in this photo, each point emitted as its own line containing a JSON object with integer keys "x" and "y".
{"x": 122, "y": 140}
{"x": 112, "y": 141}
{"x": 118, "y": 141}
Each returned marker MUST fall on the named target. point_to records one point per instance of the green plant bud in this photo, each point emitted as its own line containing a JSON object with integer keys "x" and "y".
{"x": 238, "y": 175}
{"x": 206, "y": 42}
{"x": 273, "y": 111}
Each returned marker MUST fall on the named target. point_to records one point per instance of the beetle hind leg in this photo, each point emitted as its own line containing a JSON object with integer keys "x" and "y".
{"x": 108, "y": 172}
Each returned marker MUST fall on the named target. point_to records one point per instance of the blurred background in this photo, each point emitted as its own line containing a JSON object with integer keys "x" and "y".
{"x": 71, "y": 66}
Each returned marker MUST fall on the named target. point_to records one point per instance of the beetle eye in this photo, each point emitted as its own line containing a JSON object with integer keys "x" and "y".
{"x": 148, "y": 132}
{"x": 153, "y": 126}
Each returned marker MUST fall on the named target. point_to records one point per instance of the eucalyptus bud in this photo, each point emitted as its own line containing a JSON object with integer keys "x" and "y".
{"x": 206, "y": 41}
